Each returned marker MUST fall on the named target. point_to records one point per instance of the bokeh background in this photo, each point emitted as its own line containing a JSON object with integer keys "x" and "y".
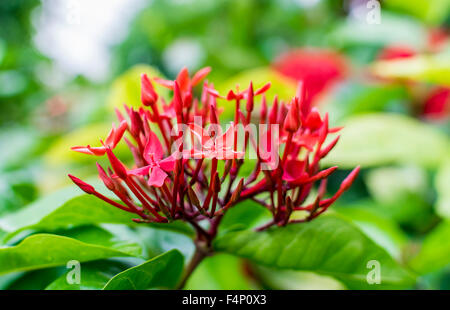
{"x": 66, "y": 64}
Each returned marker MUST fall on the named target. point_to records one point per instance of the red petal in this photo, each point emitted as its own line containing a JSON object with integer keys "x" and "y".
{"x": 200, "y": 75}
{"x": 157, "y": 177}
{"x": 263, "y": 89}
{"x": 183, "y": 79}
{"x": 154, "y": 148}
{"x": 165, "y": 83}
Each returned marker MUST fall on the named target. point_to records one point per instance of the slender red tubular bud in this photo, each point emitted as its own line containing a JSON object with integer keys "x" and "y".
{"x": 178, "y": 101}
{"x": 213, "y": 115}
{"x": 237, "y": 191}
{"x": 216, "y": 183}
{"x": 289, "y": 207}
{"x": 263, "y": 89}
{"x": 106, "y": 180}
{"x": 292, "y": 120}
{"x": 187, "y": 100}
{"x": 88, "y": 189}
{"x": 194, "y": 199}
{"x": 116, "y": 164}
{"x": 250, "y": 98}
{"x": 349, "y": 179}
{"x": 273, "y": 114}
{"x": 136, "y": 123}
{"x": 263, "y": 111}
{"x": 324, "y": 152}
{"x": 119, "y": 115}
{"x": 200, "y": 75}
{"x": 148, "y": 94}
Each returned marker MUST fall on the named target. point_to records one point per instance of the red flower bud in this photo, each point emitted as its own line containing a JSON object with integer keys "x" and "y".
{"x": 273, "y": 114}
{"x": 345, "y": 185}
{"x": 250, "y": 98}
{"x": 292, "y": 120}
{"x": 177, "y": 99}
{"x": 263, "y": 111}
{"x": 216, "y": 183}
{"x": 117, "y": 165}
{"x": 105, "y": 178}
{"x": 89, "y": 189}
{"x": 148, "y": 94}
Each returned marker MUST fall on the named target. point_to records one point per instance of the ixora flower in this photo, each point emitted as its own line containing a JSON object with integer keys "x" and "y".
{"x": 172, "y": 179}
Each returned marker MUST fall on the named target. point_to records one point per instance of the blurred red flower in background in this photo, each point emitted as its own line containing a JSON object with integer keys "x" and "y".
{"x": 318, "y": 69}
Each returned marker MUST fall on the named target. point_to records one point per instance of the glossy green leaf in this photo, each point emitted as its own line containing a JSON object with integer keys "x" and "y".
{"x": 93, "y": 276}
{"x": 38, "y": 209}
{"x": 46, "y": 250}
{"x": 435, "y": 251}
{"x": 32, "y": 280}
{"x": 379, "y": 139}
{"x": 162, "y": 271}
{"x": 328, "y": 245}
{"x": 381, "y": 229}
{"x": 401, "y": 192}
{"x": 295, "y": 280}
{"x": 88, "y": 210}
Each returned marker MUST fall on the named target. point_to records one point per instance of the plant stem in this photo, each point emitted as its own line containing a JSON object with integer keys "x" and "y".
{"x": 198, "y": 257}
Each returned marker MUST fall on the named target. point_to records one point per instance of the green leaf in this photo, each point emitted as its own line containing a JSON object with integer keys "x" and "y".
{"x": 45, "y": 250}
{"x": 94, "y": 276}
{"x": 328, "y": 245}
{"x": 219, "y": 272}
{"x": 32, "y": 280}
{"x": 401, "y": 193}
{"x": 381, "y": 229}
{"x": 35, "y": 211}
{"x": 87, "y": 210}
{"x": 381, "y": 138}
{"x": 161, "y": 271}
{"x": 435, "y": 251}
{"x": 433, "y": 12}
{"x": 442, "y": 184}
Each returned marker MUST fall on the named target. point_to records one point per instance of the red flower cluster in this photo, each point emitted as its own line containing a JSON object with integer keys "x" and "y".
{"x": 172, "y": 179}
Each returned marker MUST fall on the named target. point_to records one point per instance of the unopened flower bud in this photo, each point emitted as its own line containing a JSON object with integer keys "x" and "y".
{"x": 89, "y": 189}
{"x": 148, "y": 94}
{"x": 250, "y": 98}
{"x": 116, "y": 164}
{"x": 292, "y": 120}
